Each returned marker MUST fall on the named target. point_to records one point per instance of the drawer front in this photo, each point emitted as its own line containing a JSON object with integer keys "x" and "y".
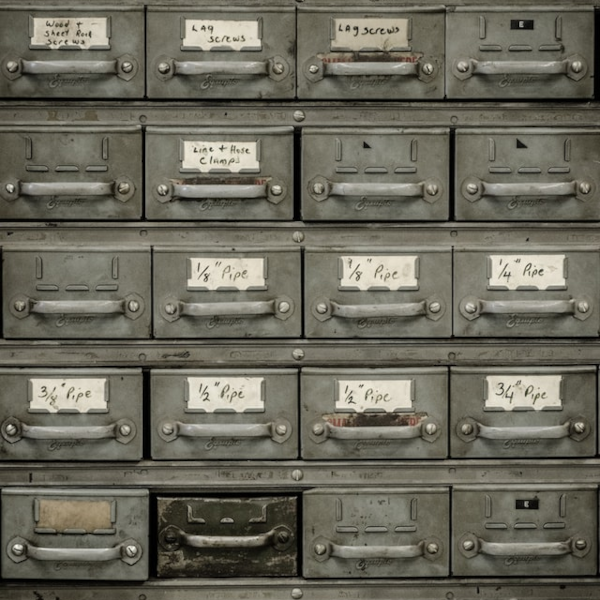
{"x": 72, "y": 293}
{"x": 219, "y": 174}
{"x": 529, "y": 293}
{"x": 227, "y": 537}
{"x": 374, "y": 413}
{"x": 72, "y": 52}
{"x": 75, "y": 534}
{"x": 375, "y": 174}
{"x": 91, "y": 173}
{"x": 235, "y": 52}
{"x": 532, "y": 53}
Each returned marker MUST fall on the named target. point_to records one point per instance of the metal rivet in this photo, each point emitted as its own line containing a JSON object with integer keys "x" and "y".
{"x": 576, "y": 66}
{"x": 164, "y": 68}
{"x": 432, "y": 189}
{"x": 12, "y": 66}
{"x": 299, "y": 115}
{"x": 322, "y": 308}
{"x": 284, "y": 307}
{"x": 318, "y": 429}
{"x": 435, "y": 307}
{"x": 433, "y": 548}
{"x": 276, "y": 190}
{"x": 297, "y": 474}
{"x": 427, "y": 68}
{"x": 320, "y": 549}
{"x": 10, "y": 188}
{"x": 123, "y": 188}
{"x": 314, "y": 69}
{"x": 297, "y": 593}
{"x": 127, "y": 67}
{"x": 470, "y": 308}
{"x": 278, "y": 68}
{"x": 281, "y": 429}
{"x": 133, "y": 306}
{"x": 168, "y": 429}
{"x": 162, "y": 190}
{"x": 318, "y": 188}
{"x": 131, "y": 551}
{"x": 583, "y": 306}
{"x": 431, "y": 428}
{"x": 580, "y": 544}
{"x": 579, "y": 427}
{"x": 585, "y": 187}
{"x": 170, "y": 309}
{"x": 466, "y": 429}
{"x": 298, "y": 354}
{"x": 11, "y": 429}
{"x": 472, "y": 188}
{"x": 468, "y": 545}
{"x": 462, "y": 66}
{"x": 298, "y": 236}
{"x": 20, "y": 306}
{"x": 125, "y": 430}
{"x": 18, "y": 549}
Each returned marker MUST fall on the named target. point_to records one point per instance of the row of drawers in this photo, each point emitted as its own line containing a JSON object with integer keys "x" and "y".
{"x": 199, "y": 293}
{"x": 357, "y": 52}
{"x": 403, "y": 532}
{"x": 346, "y": 174}
{"x": 317, "y": 414}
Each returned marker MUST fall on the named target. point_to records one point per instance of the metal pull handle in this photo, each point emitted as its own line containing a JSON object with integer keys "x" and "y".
{"x": 429, "y": 190}
{"x": 270, "y": 190}
{"x": 279, "y": 430}
{"x": 474, "y": 189}
{"x": 129, "y": 551}
{"x": 431, "y": 308}
{"x": 125, "y": 67}
{"x": 470, "y": 546}
{"x": 469, "y": 430}
{"x": 472, "y": 307}
{"x": 122, "y": 189}
{"x": 172, "y": 538}
{"x": 132, "y": 307}
{"x": 574, "y": 67}
{"x": 14, "y": 430}
{"x": 280, "y": 308}
{"x": 322, "y": 430}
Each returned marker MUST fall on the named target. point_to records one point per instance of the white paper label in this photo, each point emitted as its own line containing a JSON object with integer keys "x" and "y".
{"x": 87, "y": 33}
{"x": 225, "y": 394}
{"x": 537, "y": 271}
{"x": 201, "y": 34}
{"x": 377, "y": 395}
{"x": 220, "y": 156}
{"x": 382, "y": 272}
{"x": 384, "y": 35}
{"x": 227, "y": 273}
{"x": 79, "y": 395}
{"x": 524, "y": 392}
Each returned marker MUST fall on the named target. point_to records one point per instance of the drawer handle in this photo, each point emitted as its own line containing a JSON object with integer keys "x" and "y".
{"x": 321, "y": 430}
{"x": 470, "y": 546}
{"x": 474, "y": 189}
{"x": 125, "y": 67}
{"x": 132, "y": 307}
{"x": 580, "y": 308}
{"x": 129, "y": 551}
{"x": 469, "y": 430}
{"x": 122, "y": 189}
{"x": 279, "y": 430}
{"x": 321, "y": 189}
{"x": 172, "y": 538}
{"x": 432, "y": 308}
{"x": 574, "y": 67}
{"x": 274, "y": 192}
{"x": 275, "y": 68}
{"x": 14, "y": 430}
{"x": 173, "y": 309}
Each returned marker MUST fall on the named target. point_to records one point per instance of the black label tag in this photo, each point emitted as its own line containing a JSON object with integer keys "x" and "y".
{"x": 528, "y": 504}
{"x": 521, "y": 24}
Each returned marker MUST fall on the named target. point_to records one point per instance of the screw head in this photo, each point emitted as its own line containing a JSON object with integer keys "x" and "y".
{"x": 318, "y": 429}
{"x": 320, "y": 549}
{"x": 322, "y": 308}
{"x": 318, "y": 188}
{"x": 133, "y": 306}
{"x": 468, "y": 545}
{"x": 431, "y": 189}
{"x": 278, "y": 68}
{"x": 298, "y": 354}
{"x": 431, "y": 428}
{"x": 20, "y": 305}
{"x": 12, "y": 66}
{"x": 10, "y": 188}
{"x": 168, "y": 429}
{"x": 131, "y": 551}
{"x": 170, "y": 309}
{"x": 470, "y": 308}
{"x": 123, "y": 188}
{"x": 435, "y": 307}
{"x": 297, "y": 475}
{"x": 583, "y": 306}
{"x": 427, "y": 69}
{"x": 585, "y": 187}
{"x": 466, "y": 429}
{"x": 462, "y": 66}
{"x": 297, "y": 593}
{"x": 11, "y": 429}
{"x": 298, "y": 237}
{"x": 579, "y": 427}
{"x": 299, "y": 115}
{"x": 432, "y": 548}
{"x": 284, "y": 307}
{"x": 125, "y": 430}
{"x": 276, "y": 190}
{"x": 162, "y": 190}
{"x": 472, "y": 188}
{"x": 281, "y": 429}
{"x": 576, "y": 66}
{"x": 127, "y": 67}
{"x": 314, "y": 69}
{"x": 18, "y": 549}
{"x": 164, "y": 68}
{"x": 580, "y": 544}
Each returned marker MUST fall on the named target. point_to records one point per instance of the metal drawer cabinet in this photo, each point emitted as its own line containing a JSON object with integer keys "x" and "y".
{"x": 537, "y": 53}
{"x": 523, "y": 412}
{"x": 544, "y": 531}
{"x": 84, "y": 293}
{"x": 366, "y": 53}
{"x": 72, "y": 52}
{"x": 375, "y": 174}
{"x": 224, "y": 293}
{"x": 537, "y": 292}
{"x": 99, "y": 534}
{"x": 393, "y": 532}
{"x": 242, "y": 414}
{"x": 378, "y": 293}
{"x": 374, "y": 413}
{"x": 70, "y": 172}
{"x": 227, "y": 536}
{"x": 527, "y": 174}
{"x": 235, "y": 52}
{"x": 219, "y": 174}
{"x": 71, "y": 414}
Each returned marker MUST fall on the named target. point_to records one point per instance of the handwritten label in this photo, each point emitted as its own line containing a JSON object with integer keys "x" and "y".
{"x": 385, "y": 35}
{"x": 537, "y": 271}
{"x": 220, "y": 156}
{"x": 523, "y": 392}
{"x": 76, "y": 395}
{"x": 227, "y": 273}
{"x": 385, "y": 272}
{"x": 201, "y": 34}
{"x": 54, "y": 33}
{"x": 377, "y": 395}
{"x": 225, "y": 394}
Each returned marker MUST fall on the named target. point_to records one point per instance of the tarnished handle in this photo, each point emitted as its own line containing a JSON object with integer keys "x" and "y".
{"x": 129, "y": 551}
{"x": 472, "y": 307}
{"x": 279, "y": 430}
{"x": 272, "y": 191}
{"x": 474, "y": 189}
{"x": 322, "y": 189}
{"x": 470, "y": 546}
{"x": 14, "y": 430}
{"x": 122, "y": 189}
{"x": 574, "y": 67}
